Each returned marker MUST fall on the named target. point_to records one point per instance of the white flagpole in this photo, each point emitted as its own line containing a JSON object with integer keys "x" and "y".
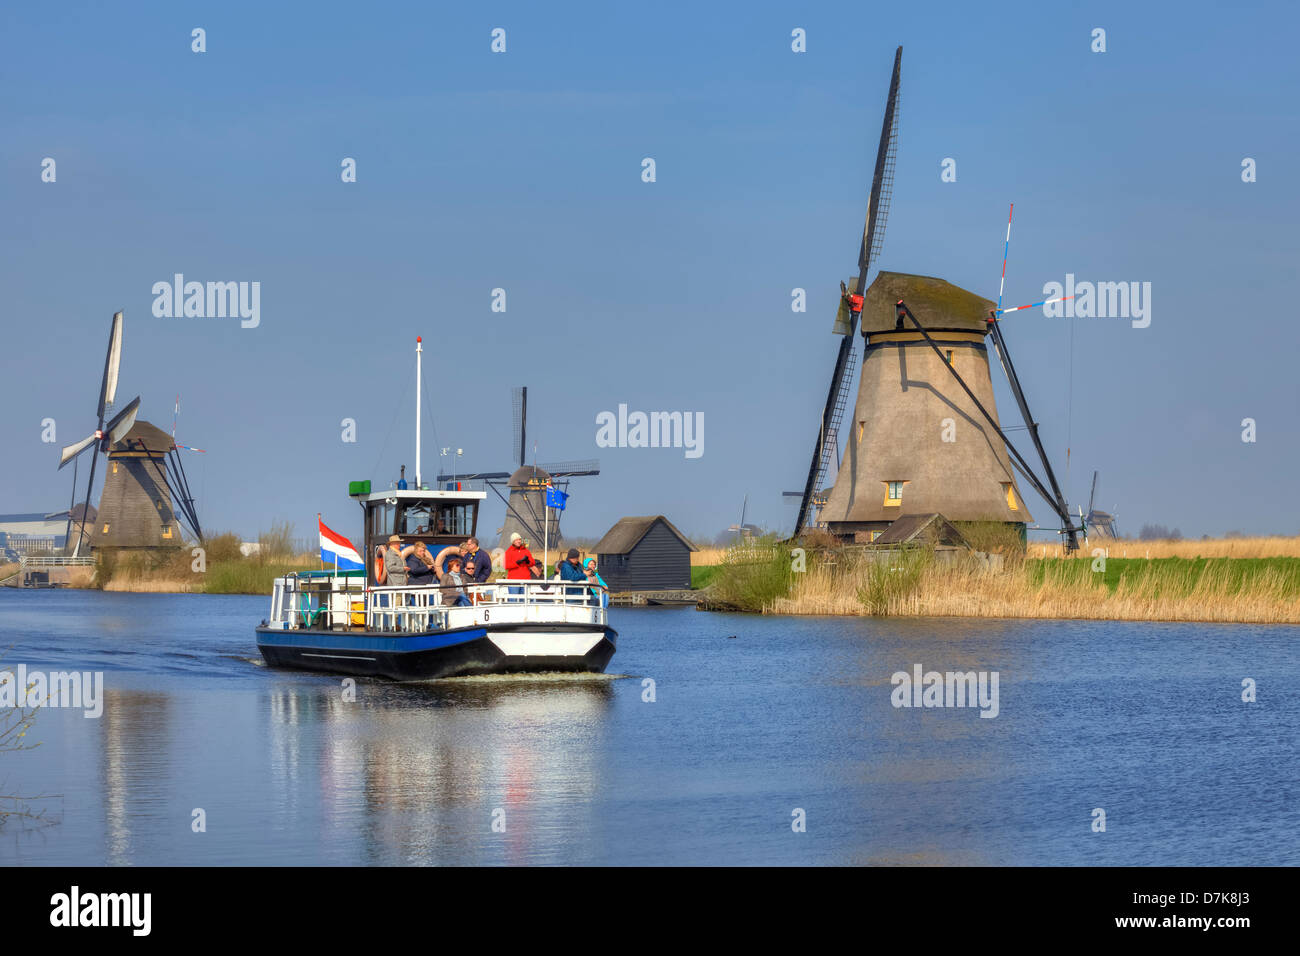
{"x": 419, "y": 350}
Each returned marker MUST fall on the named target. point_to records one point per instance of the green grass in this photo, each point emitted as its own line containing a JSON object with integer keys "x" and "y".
{"x": 701, "y": 575}
{"x": 245, "y": 577}
{"x": 1173, "y": 576}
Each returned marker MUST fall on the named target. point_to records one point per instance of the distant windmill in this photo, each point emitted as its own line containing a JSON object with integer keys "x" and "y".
{"x": 526, "y": 512}
{"x": 103, "y": 437}
{"x": 1097, "y": 523}
{"x": 745, "y": 530}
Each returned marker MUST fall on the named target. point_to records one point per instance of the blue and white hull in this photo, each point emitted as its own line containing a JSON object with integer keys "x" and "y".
{"x": 403, "y": 634}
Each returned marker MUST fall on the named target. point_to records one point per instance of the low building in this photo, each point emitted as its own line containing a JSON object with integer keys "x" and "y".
{"x": 644, "y": 554}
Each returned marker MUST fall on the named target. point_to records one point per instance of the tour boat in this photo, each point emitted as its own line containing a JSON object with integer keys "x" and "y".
{"x": 346, "y": 622}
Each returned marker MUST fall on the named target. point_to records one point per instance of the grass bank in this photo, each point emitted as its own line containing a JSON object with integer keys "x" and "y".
{"x": 221, "y": 569}
{"x": 913, "y": 584}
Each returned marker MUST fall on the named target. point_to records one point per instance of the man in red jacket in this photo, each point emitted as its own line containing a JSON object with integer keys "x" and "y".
{"x": 519, "y": 560}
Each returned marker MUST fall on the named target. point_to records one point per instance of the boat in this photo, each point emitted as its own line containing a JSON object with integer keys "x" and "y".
{"x": 346, "y": 622}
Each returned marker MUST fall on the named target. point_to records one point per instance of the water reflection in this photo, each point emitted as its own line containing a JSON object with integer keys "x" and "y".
{"x": 421, "y": 771}
{"x": 135, "y": 728}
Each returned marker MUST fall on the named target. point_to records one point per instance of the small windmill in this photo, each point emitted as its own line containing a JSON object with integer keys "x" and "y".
{"x": 743, "y": 530}
{"x": 1098, "y": 523}
{"x": 103, "y": 437}
{"x": 525, "y": 497}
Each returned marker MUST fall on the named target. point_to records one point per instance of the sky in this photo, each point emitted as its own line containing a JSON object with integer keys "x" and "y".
{"x": 523, "y": 170}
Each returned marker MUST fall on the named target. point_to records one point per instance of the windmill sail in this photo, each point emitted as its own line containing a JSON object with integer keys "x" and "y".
{"x": 112, "y": 363}
{"x": 873, "y": 234}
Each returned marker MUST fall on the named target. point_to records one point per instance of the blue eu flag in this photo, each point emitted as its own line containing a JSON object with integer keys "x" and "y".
{"x": 555, "y": 498}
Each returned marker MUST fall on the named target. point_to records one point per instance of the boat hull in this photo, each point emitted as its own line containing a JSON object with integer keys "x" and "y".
{"x": 463, "y": 652}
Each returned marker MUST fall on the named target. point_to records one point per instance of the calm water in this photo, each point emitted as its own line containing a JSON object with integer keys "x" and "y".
{"x": 754, "y": 717}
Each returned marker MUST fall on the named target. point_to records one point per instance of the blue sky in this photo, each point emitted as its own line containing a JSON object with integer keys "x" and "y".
{"x": 522, "y": 171}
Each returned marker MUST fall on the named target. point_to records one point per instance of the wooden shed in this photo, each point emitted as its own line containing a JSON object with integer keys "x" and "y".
{"x": 644, "y": 554}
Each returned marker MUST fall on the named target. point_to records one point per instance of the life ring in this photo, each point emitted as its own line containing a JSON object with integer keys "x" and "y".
{"x": 446, "y": 553}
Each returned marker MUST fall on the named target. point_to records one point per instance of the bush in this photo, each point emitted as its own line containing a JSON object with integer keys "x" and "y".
{"x": 276, "y": 543}
{"x": 222, "y": 547}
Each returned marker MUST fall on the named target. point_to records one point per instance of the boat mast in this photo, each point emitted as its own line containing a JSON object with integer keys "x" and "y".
{"x": 418, "y": 352}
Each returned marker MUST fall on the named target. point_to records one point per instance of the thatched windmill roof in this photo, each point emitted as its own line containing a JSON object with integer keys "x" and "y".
{"x": 937, "y": 303}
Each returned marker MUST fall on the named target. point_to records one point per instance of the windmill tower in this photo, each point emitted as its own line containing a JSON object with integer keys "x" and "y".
{"x": 525, "y": 486}
{"x": 917, "y": 443}
{"x": 924, "y": 436}
{"x": 135, "y": 507}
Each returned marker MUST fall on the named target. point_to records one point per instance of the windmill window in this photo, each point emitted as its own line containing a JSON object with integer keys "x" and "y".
{"x": 1011, "y": 496}
{"x": 105, "y": 531}
{"x": 862, "y": 426}
{"x": 115, "y": 468}
{"x": 876, "y": 534}
{"x": 894, "y": 492}
{"x": 166, "y": 531}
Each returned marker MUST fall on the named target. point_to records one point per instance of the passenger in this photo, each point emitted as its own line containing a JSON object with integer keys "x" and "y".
{"x": 571, "y": 568}
{"x": 594, "y": 579}
{"x": 480, "y": 561}
{"x": 519, "y": 560}
{"x": 420, "y": 566}
{"x": 395, "y": 561}
{"x": 453, "y": 586}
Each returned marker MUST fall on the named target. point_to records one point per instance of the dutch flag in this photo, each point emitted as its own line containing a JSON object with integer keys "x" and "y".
{"x": 337, "y": 550}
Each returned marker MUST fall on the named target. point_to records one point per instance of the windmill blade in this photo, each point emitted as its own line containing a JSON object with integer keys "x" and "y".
{"x": 519, "y": 400}
{"x": 1093, "y": 495}
{"x": 72, "y": 451}
{"x": 112, "y": 363}
{"x": 121, "y": 423}
{"x": 873, "y": 235}
{"x": 572, "y": 469}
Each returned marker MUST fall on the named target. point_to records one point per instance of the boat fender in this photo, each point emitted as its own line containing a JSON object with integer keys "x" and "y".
{"x": 444, "y": 554}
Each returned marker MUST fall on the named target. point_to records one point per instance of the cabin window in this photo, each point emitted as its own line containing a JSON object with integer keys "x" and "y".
{"x": 894, "y": 492}
{"x": 1011, "y": 496}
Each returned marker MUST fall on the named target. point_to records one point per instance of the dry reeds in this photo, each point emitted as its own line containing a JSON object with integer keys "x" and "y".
{"x": 1265, "y": 547}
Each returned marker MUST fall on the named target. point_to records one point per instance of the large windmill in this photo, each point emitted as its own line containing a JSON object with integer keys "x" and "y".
{"x": 525, "y": 486}
{"x": 146, "y": 478}
{"x": 924, "y": 436}
{"x": 826, "y": 448}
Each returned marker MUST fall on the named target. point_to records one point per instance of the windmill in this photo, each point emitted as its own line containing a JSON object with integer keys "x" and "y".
{"x": 925, "y": 438}
{"x": 873, "y": 236}
{"x": 743, "y": 530}
{"x": 525, "y": 486}
{"x": 103, "y": 436}
{"x": 1098, "y": 523}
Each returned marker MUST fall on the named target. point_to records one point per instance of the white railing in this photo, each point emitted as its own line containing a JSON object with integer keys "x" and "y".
{"x": 343, "y": 602}
{"x": 56, "y": 561}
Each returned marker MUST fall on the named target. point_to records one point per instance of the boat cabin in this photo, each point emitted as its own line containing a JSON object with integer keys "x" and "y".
{"x": 438, "y": 518}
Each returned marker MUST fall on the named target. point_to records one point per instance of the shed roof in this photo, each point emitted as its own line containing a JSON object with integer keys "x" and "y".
{"x": 932, "y": 528}
{"x": 628, "y": 532}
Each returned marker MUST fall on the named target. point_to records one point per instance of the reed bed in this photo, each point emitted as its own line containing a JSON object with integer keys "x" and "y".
{"x": 224, "y": 569}
{"x": 1276, "y": 546}
{"x": 915, "y": 584}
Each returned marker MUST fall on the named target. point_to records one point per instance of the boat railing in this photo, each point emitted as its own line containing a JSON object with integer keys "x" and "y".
{"x": 335, "y": 602}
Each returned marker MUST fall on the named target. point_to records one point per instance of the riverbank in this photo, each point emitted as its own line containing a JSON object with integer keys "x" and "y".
{"x": 1260, "y": 590}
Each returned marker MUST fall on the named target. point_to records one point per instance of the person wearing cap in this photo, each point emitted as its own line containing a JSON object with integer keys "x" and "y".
{"x": 519, "y": 560}
{"x": 571, "y": 567}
